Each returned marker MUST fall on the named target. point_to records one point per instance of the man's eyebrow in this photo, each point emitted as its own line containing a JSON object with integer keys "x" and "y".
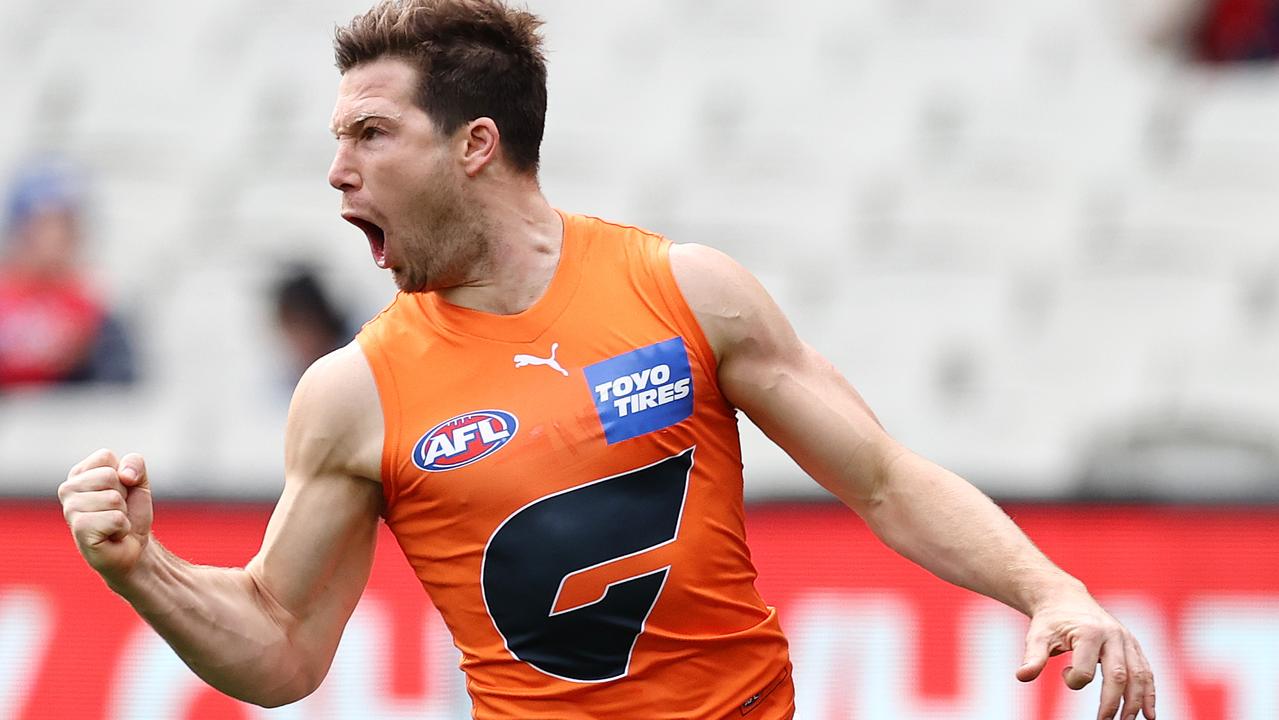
{"x": 358, "y": 120}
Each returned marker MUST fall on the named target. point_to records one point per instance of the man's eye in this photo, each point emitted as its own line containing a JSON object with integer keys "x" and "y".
{"x": 371, "y": 132}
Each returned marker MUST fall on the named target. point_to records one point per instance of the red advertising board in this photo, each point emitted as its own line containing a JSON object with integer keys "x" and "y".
{"x": 872, "y": 636}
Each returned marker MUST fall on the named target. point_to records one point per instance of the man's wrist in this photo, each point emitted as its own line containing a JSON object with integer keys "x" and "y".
{"x": 133, "y": 583}
{"x": 1048, "y": 590}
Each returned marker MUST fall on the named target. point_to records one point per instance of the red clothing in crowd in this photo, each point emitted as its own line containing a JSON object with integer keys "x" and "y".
{"x": 1239, "y": 31}
{"x": 47, "y": 329}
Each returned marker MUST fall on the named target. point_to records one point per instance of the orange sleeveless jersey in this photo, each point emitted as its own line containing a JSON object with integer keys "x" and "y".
{"x": 566, "y": 482}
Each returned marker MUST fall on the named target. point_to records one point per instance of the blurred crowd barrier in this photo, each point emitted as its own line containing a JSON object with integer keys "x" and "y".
{"x": 871, "y": 636}
{"x": 1039, "y": 236}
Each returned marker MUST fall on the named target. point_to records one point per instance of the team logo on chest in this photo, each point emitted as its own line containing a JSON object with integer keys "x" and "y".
{"x": 464, "y": 439}
{"x": 643, "y": 390}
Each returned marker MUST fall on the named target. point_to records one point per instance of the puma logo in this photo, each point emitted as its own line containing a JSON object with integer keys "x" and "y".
{"x": 527, "y": 360}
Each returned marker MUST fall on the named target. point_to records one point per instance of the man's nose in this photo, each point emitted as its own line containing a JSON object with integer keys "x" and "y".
{"x": 342, "y": 173}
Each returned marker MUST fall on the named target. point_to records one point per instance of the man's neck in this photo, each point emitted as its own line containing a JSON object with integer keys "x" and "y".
{"x": 525, "y": 240}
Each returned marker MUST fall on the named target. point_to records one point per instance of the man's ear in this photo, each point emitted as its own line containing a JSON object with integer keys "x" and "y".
{"x": 482, "y": 140}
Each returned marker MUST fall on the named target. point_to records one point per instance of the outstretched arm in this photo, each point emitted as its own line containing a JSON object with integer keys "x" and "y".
{"x": 265, "y": 633}
{"x": 919, "y": 509}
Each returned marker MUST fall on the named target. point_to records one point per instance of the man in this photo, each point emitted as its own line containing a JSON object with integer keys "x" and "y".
{"x": 545, "y": 418}
{"x": 53, "y": 328}
{"x": 308, "y": 320}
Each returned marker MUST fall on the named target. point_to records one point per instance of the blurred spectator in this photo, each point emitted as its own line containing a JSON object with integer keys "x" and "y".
{"x": 311, "y": 324}
{"x": 53, "y": 328}
{"x": 1238, "y": 31}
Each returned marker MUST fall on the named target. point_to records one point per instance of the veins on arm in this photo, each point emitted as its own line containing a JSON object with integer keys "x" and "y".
{"x": 785, "y": 386}
{"x": 803, "y": 404}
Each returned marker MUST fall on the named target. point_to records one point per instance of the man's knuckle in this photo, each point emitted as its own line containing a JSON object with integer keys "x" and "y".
{"x": 103, "y": 479}
{"x": 81, "y": 525}
{"x": 77, "y": 481}
{"x": 109, "y": 521}
{"x": 1119, "y": 675}
{"x": 73, "y": 504}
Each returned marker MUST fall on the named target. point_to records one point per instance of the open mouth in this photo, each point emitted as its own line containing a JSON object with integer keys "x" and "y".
{"x": 376, "y": 236}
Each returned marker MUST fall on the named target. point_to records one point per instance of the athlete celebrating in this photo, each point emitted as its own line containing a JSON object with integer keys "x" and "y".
{"x": 545, "y": 418}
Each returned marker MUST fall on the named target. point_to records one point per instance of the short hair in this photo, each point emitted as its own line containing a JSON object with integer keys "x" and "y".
{"x": 300, "y": 299}
{"x": 475, "y": 58}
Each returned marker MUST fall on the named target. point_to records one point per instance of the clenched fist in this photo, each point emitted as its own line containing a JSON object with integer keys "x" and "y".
{"x": 107, "y": 504}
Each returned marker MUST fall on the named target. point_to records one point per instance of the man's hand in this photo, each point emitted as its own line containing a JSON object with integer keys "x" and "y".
{"x": 1079, "y": 625}
{"x": 107, "y": 504}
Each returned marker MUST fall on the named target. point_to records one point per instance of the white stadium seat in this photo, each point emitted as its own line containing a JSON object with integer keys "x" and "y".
{"x": 1011, "y": 224}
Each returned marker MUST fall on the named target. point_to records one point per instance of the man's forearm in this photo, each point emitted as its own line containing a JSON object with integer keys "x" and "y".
{"x": 223, "y": 625}
{"x": 943, "y": 523}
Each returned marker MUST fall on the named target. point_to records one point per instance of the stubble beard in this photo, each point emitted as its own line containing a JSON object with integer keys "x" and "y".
{"x": 450, "y": 248}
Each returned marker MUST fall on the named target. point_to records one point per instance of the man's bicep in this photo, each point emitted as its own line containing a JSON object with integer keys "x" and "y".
{"x": 784, "y": 386}
{"x": 318, "y": 548}
{"x": 811, "y": 411}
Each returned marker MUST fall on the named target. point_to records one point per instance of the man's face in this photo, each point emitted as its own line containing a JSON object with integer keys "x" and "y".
{"x": 48, "y": 242}
{"x": 400, "y": 179}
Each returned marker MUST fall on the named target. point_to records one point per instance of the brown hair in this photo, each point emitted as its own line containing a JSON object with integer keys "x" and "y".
{"x": 475, "y": 58}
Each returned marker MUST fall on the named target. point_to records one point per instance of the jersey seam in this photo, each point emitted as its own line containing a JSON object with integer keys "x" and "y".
{"x": 446, "y": 328}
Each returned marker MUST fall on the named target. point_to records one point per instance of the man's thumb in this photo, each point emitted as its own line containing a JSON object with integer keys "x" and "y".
{"x": 1035, "y": 661}
{"x": 132, "y": 470}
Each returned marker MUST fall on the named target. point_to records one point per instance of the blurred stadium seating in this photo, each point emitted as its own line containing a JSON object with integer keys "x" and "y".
{"x": 1032, "y": 236}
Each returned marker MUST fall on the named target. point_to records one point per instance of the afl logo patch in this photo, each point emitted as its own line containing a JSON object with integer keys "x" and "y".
{"x": 464, "y": 439}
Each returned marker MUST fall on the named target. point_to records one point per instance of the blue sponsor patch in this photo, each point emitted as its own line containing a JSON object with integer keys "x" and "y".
{"x": 644, "y": 390}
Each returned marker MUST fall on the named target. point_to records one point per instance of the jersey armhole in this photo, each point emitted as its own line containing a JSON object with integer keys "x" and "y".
{"x": 389, "y": 399}
{"x": 678, "y": 305}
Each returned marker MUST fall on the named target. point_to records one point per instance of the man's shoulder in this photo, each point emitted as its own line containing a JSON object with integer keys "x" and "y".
{"x": 607, "y": 225}
{"x": 706, "y": 276}
{"x": 337, "y": 381}
{"x": 728, "y": 301}
{"x": 336, "y": 406}
{"x": 619, "y": 236}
